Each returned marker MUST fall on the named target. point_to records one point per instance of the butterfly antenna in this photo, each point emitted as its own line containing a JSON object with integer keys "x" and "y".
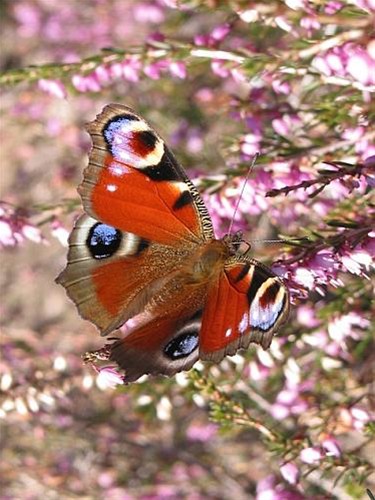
{"x": 303, "y": 239}
{"x": 242, "y": 191}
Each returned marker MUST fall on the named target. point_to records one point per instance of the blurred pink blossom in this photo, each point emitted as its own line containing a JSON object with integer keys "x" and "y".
{"x": 201, "y": 433}
{"x": 311, "y": 455}
{"x": 349, "y": 61}
{"x": 53, "y": 87}
{"x": 109, "y": 377}
{"x": 331, "y": 447}
{"x": 366, "y": 4}
{"x": 14, "y": 228}
{"x": 344, "y": 326}
{"x": 290, "y": 472}
{"x": 178, "y": 69}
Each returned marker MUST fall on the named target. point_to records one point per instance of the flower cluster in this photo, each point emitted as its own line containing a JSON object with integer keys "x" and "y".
{"x": 16, "y": 228}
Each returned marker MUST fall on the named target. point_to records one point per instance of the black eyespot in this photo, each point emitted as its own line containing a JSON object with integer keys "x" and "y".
{"x": 103, "y": 241}
{"x": 182, "y": 346}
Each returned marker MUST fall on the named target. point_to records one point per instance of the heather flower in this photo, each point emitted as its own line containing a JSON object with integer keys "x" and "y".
{"x": 268, "y": 489}
{"x": 108, "y": 378}
{"x": 346, "y": 325}
{"x": 87, "y": 83}
{"x": 310, "y": 23}
{"x": 350, "y": 62}
{"x": 59, "y": 232}
{"x": 311, "y": 455}
{"x": 281, "y": 86}
{"x": 155, "y": 69}
{"x": 331, "y": 447}
{"x": 202, "y": 433}
{"x": 357, "y": 261}
{"x": 333, "y": 6}
{"x": 366, "y": 4}
{"x": 287, "y": 125}
{"x": 130, "y": 68}
{"x": 178, "y": 69}
{"x": 148, "y": 12}
{"x": 14, "y": 228}
{"x": 360, "y": 418}
{"x": 53, "y": 87}
{"x": 290, "y": 472}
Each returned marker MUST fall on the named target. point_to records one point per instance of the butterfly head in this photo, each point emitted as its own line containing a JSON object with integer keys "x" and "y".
{"x": 233, "y": 242}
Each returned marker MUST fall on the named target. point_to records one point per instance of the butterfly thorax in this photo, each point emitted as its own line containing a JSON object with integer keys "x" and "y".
{"x": 205, "y": 262}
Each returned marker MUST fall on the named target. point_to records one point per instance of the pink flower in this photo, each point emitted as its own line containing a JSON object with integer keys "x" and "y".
{"x": 362, "y": 68}
{"x": 220, "y": 68}
{"x": 14, "y": 228}
{"x": 178, "y": 69}
{"x": 281, "y": 87}
{"x": 88, "y": 83}
{"x": 286, "y": 125}
{"x": 250, "y": 144}
{"x": 201, "y": 433}
{"x": 310, "y": 23}
{"x": 154, "y": 70}
{"x": 220, "y": 32}
{"x": 307, "y": 317}
{"x": 296, "y": 4}
{"x": 268, "y": 489}
{"x": 311, "y": 455}
{"x": 357, "y": 261}
{"x": 280, "y": 411}
{"x": 331, "y": 447}
{"x": 108, "y": 377}
{"x": 131, "y": 67}
{"x": 366, "y": 4}
{"x": 103, "y": 74}
{"x": 360, "y": 418}
{"x": 342, "y": 327}
{"x": 305, "y": 277}
{"x": 332, "y": 6}
{"x": 53, "y": 87}
{"x": 59, "y": 232}
{"x": 148, "y": 12}
{"x": 290, "y": 472}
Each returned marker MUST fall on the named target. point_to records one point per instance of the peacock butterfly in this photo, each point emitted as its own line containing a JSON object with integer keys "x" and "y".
{"x": 146, "y": 248}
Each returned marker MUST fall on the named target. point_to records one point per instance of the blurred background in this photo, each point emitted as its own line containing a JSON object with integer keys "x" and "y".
{"x": 219, "y": 81}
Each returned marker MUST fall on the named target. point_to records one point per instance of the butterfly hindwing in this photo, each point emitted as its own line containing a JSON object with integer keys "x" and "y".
{"x": 133, "y": 182}
{"x": 162, "y": 346}
{"x": 247, "y": 303}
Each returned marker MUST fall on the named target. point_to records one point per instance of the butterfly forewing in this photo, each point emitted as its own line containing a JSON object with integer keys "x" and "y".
{"x": 134, "y": 183}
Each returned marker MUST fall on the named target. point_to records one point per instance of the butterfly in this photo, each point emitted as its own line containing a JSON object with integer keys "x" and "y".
{"x": 145, "y": 249}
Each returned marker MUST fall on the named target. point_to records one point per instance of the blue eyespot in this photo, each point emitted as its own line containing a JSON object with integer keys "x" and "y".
{"x": 182, "y": 346}
{"x": 103, "y": 241}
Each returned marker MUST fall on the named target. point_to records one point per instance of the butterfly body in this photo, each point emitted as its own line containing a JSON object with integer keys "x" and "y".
{"x": 146, "y": 251}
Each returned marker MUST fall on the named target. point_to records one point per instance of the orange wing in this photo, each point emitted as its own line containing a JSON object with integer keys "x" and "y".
{"x": 134, "y": 183}
{"x": 247, "y": 303}
{"x": 165, "y": 338}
